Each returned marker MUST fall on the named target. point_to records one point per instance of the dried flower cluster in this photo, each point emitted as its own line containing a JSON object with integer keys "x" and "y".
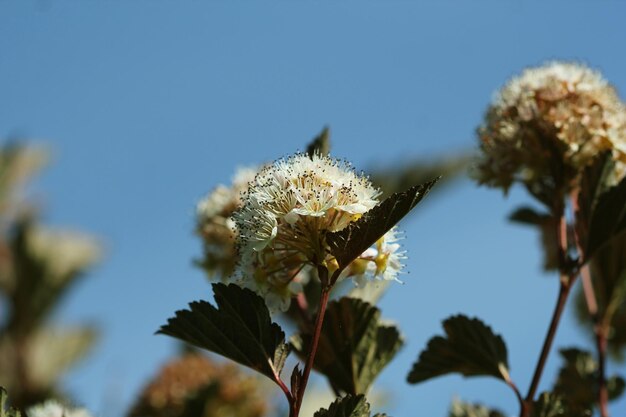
{"x": 194, "y": 385}
{"x": 547, "y": 124}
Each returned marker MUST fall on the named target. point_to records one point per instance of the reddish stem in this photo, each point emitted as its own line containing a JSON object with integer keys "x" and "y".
{"x": 603, "y": 393}
{"x": 547, "y": 344}
{"x": 518, "y": 394}
{"x": 287, "y": 393}
{"x": 567, "y": 278}
{"x": 599, "y": 328}
{"x": 319, "y": 321}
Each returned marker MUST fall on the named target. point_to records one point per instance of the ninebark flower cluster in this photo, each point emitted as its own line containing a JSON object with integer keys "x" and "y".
{"x": 560, "y": 130}
{"x": 267, "y": 232}
{"x": 560, "y": 114}
{"x": 216, "y": 227}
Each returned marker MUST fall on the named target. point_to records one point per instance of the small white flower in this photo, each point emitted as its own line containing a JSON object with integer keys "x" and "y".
{"x": 215, "y": 226}
{"x": 53, "y": 408}
{"x": 382, "y": 261}
{"x": 64, "y": 252}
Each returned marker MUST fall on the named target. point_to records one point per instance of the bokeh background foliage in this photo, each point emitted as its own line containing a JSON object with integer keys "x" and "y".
{"x": 148, "y": 106}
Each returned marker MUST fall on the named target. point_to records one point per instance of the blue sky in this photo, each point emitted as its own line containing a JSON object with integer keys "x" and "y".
{"x": 148, "y": 105}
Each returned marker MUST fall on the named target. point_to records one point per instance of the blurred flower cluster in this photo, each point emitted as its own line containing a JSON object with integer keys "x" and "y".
{"x": 38, "y": 265}
{"x": 546, "y": 125}
{"x": 215, "y": 226}
{"x": 195, "y": 386}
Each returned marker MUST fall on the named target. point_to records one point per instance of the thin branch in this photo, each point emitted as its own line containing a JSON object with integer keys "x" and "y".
{"x": 518, "y": 394}
{"x": 603, "y": 392}
{"x": 290, "y": 399}
{"x": 319, "y": 322}
{"x": 599, "y": 328}
{"x": 567, "y": 278}
{"x": 547, "y": 344}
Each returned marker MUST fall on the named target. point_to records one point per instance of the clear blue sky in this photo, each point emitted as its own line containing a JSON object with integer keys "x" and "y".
{"x": 150, "y": 104}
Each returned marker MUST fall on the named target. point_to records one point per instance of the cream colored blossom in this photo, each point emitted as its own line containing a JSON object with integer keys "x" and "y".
{"x": 65, "y": 253}
{"x": 546, "y": 125}
{"x": 383, "y": 261}
{"x": 216, "y": 228}
{"x": 53, "y": 408}
{"x": 286, "y": 213}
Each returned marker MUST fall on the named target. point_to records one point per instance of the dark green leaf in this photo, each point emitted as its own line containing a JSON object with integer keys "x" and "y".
{"x": 320, "y": 144}
{"x": 601, "y": 213}
{"x": 528, "y": 215}
{"x": 348, "y": 406}
{"x": 296, "y": 380}
{"x": 45, "y": 264}
{"x": 550, "y": 405}
{"x": 463, "y": 409}
{"x": 547, "y": 226}
{"x": 4, "y": 411}
{"x": 615, "y": 386}
{"x": 608, "y": 275}
{"x": 577, "y": 382}
{"x": 55, "y": 350}
{"x": 240, "y": 328}
{"x": 470, "y": 348}
{"x": 592, "y": 185}
{"x": 347, "y": 244}
{"x": 398, "y": 178}
{"x": 354, "y": 345}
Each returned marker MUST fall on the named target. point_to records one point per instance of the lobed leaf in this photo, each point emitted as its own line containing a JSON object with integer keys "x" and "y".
{"x": 239, "y": 328}
{"x": 44, "y": 264}
{"x": 348, "y": 406}
{"x": 354, "y": 345}
{"x": 601, "y": 213}
{"x": 347, "y": 244}
{"x": 4, "y": 411}
{"x": 470, "y": 348}
{"x": 546, "y": 224}
{"x": 577, "y": 381}
{"x": 52, "y": 351}
{"x": 528, "y": 215}
{"x": 550, "y": 405}
{"x": 463, "y": 409}
{"x": 398, "y": 178}
{"x": 615, "y": 386}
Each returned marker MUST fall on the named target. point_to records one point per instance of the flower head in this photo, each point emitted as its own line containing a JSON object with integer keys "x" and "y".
{"x": 216, "y": 228}
{"x": 192, "y": 381}
{"x": 286, "y": 212}
{"x": 546, "y": 125}
{"x": 52, "y": 408}
{"x": 383, "y": 261}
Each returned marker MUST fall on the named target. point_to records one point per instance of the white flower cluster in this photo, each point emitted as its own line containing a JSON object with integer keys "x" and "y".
{"x": 52, "y": 408}
{"x": 215, "y": 226}
{"x": 560, "y": 110}
{"x": 286, "y": 212}
{"x": 65, "y": 253}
